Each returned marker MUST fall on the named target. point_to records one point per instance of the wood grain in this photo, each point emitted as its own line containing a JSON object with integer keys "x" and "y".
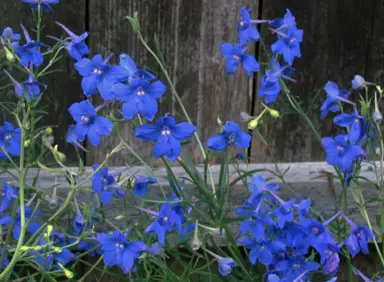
{"x": 336, "y": 36}
{"x": 189, "y": 35}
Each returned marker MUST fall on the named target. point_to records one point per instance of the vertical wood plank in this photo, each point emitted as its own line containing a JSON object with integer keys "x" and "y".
{"x": 189, "y": 35}
{"x": 63, "y": 87}
{"x": 336, "y": 35}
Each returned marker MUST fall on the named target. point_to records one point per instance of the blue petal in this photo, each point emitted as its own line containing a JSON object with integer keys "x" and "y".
{"x": 344, "y": 119}
{"x": 250, "y": 65}
{"x": 332, "y": 89}
{"x": 84, "y": 67}
{"x": 130, "y": 109}
{"x": 183, "y": 130}
{"x": 147, "y": 132}
{"x": 148, "y": 107}
{"x": 231, "y": 65}
{"x": 167, "y": 145}
{"x": 156, "y": 89}
{"x": 103, "y": 125}
{"x": 217, "y": 143}
{"x": 105, "y": 196}
{"x": 89, "y": 85}
{"x": 243, "y": 140}
{"x": 227, "y": 50}
{"x": 231, "y": 127}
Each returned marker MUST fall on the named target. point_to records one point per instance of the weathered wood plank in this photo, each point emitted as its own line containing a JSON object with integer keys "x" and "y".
{"x": 189, "y": 36}
{"x": 336, "y": 35}
{"x": 63, "y": 88}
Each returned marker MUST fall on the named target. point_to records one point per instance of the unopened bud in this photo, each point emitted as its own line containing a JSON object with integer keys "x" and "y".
{"x": 27, "y": 143}
{"x": 253, "y": 123}
{"x": 195, "y": 242}
{"x": 48, "y": 130}
{"x": 119, "y": 217}
{"x": 274, "y": 113}
{"x": 67, "y": 273}
{"x": 57, "y": 250}
{"x": 49, "y": 229}
{"x": 59, "y": 154}
{"x": 245, "y": 116}
{"x": 219, "y": 122}
{"x": 377, "y": 116}
{"x": 25, "y": 248}
{"x": 8, "y": 54}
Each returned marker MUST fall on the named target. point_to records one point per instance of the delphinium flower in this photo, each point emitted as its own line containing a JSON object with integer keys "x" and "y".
{"x": 74, "y": 139}
{"x": 141, "y": 185}
{"x": 258, "y": 188}
{"x": 245, "y": 27}
{"x": 30, "y": 51}
{"x": 117, "y": 250}
{"x": 330, "y": 260}
{"x": 225, "y": 263}
{"x": 282, "y": 23}
{"x": 10, "y": 38}
{"x": 134, "y": 72}
{"x": 167, "y": 220}
{"x": 99, "y": 75}
{"x": 289, "y": 39}
{"x": 89, "y": 123}
{"x": 139, "y": 97}
{"x": 232, "y": 135}
{"x": 359, "y": 82}
{"x": 167, "y": 136}
{"x": 262, "y": 250}
{"x": 45, "y": 5}
{"x": 235, "y": 55}
{"x": 295, "y": 266}
{"x": 9, "y": 194}
{"x": 341, "y": 152}
{"x": 30, "y": 89}
{"x": 32, "y": 226}
{"x": 365, "y": 278}
{"x": 269, "y": 90}
{"x": 333, "y": 101}
{"x": 9, "y": 140}
{"x": 358, "y": 238}
{"x": 356, "y": 124}
{"x": 77, "y": 47}
{"x": 80, "y": 224}
{"x": 105, "y": 185}
{"x": 255, "y": 224}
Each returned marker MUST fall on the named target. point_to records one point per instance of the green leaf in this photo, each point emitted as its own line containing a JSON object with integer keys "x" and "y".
{"x": 246, "y": 174}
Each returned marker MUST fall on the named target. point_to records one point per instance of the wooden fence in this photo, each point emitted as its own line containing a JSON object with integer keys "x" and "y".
{"x": 341, "y": 38}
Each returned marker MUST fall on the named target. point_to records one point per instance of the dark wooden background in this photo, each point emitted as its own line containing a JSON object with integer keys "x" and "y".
{"x": 341, "y": 38}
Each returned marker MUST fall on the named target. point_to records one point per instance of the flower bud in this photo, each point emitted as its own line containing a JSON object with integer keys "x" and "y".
{"x": 253, "y": 123}
{"x": 8, "y": 54}
{"x": 57, "y": 250}
{"x": 49, "y": 229}
{"x": 37, "y": 248}
{"x": 377, "y": 116}
{"x": 48, "y": 130}
{"x": 195, "y": 242}
{"x": 27, "y": 143}
{"x": 245, "y": 116}
{"x": 25, "y": 248}
{"x": 219, "y": 122}
{"x": 60, "y": 156}
{"x": 68, "y": 274}
{"x": 274, "y": 113}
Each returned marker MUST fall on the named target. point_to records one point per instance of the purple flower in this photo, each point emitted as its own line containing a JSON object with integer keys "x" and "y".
{"x": 73, "y": 138}
{"x": 268, "y": 89}
{"x": 140, "y": 188}
{"x": 289, "y": 44}
{"x": 45, "y": 5}
{"x": 117, "y": 250}
{"x": 167, "y": 136}
{"x": 246, "y": 30}
{"x": 235, "y": 55}
{"x": 340, "y": 152}
{"x": 77, "y": 47}
{"x": 285, "y": 213}
{"x": 226, "y": 265}
{"x": 11, "y": 39}
{"x": 88, "y": 123}
{"x": 263, "y": 250}
{"x": 104, "y": 185}
{"x": 231, "y": 135}
{"x": 330, "y": 259}
{"x": 9, "y": 140}
{"x": 333, "y": 101}
{"x": 98, "y": 75}
{"x": 140, "y": 97}
{"x": 29, "y": 52}
{"x": 294, "y": 267}
{"x": 356, "y": 124}
{"x": 359, "y": 82}
{"x": 9, "y": 194}
{"x": 358, "y": 240}
{"x": 167, "y": 220}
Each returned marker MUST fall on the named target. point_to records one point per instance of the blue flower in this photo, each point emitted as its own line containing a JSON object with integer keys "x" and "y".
{"x": 318, "y": 236}
{"x": 255, "y": 224}
{"x": 285, "y": 213}
{"x": 45, "y": 5}
{"x": 104, "y": 185}
{"x": 333, "y": 101}
{"x": 167, "y": 221}
{"x": 246, "y": 30}
{"x": 9, "y": 194}
{"x": 304, "y": 207}
{"x": 356, "y": 124}
{"x": 263, "y": 250}
{"x": 294, "y": 267}
{"x": 29, "y": 52}
{"x": 140, "y": 188}
{"x": 73, "y": 138}
{"x": 289, "y": 44}
{"x": 232, "y": 135}
{"x": 88, "y": 123}
{"x": 235, "y": 55}
{"x": 276, "y": 72}
{"x": 117, "y": 250}
{"x": 330, "y": 259}
{"x": 127, "y": 63}
{"x": 98, "y": 75}
{"x": 9, "y": 140}
{"x": 79, "y": 223}
{"x": 257, "y": 186}
{"x": 77, "y": 47}
{"x": 31, "y": 228}
{"x": 268, "y": 89}
{"x": 283, "y": 23}
{"x": 167, "y": 135}
{"x": 358, "y": 240}
{"x": 340, "y": 152}
{"x": 226, "y": 265}
{"x": 11, "y": 39}
{"x": 359, "y": 82}
{"x": 140, "y": 97}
